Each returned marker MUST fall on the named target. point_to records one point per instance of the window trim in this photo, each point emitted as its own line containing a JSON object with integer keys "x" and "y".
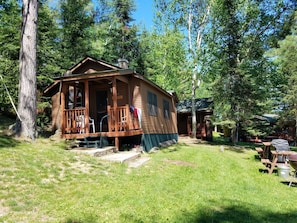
{"x": 166, "y": 109}
{"x": 152, "y": 100}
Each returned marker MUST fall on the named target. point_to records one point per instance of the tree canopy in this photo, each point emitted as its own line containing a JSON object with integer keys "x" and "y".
{"x": 217, "y": 48}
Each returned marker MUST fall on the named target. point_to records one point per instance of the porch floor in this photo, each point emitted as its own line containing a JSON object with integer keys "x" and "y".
{"x": 107, "y": 134}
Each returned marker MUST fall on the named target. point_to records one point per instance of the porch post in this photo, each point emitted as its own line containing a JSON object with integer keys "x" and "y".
{"x": 115, "y": 108}
{"x": 129, "y": 94}
{"x": 87, "y": 115}
{"x": 62, "y": 106}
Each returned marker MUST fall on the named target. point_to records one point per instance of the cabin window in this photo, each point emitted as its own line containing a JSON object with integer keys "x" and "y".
{"x": 74, "y": 97}
{"x": 166, "y": 109}
{"x": 152, "y": 104}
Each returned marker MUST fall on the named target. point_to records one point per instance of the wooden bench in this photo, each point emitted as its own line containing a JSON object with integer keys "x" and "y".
{"x": 266, "y": 162}
{"x": 260, "y": 151}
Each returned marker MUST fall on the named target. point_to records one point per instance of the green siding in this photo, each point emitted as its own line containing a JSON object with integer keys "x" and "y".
{"x": 149, "y": 141}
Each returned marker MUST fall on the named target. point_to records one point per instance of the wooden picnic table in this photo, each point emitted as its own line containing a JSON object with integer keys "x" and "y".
{"x": 271, "y": 164}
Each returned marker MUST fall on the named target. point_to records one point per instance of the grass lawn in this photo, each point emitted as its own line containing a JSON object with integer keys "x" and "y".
{"x": 43, "y": 182}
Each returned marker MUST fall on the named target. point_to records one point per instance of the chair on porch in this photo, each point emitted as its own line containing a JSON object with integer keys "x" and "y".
{"x": 92, "y": 124}
{"x": 81, "y": 124}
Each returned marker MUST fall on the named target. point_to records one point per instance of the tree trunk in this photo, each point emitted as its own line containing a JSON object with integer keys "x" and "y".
{"x": 194, "y": 119}
{"x": 26, "y": 122}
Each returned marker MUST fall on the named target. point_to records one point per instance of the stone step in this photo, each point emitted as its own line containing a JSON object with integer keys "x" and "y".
{"x": 132, "y": 158}
{"x": 95, "y": 151}
{"x": 121, "y": 157}
{"x": 105, "y": 151}
{"x": 138, "y": 162}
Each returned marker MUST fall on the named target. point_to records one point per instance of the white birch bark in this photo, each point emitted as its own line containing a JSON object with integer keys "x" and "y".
{"x": 194, "y": 53}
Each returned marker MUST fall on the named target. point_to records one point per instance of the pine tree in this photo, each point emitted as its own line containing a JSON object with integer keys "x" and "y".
{"x": 242, "y": 33}
{"x": 117, "y": 37}
{"x": 285, "y": 58}
{"x": 26, "y": 122}
{"x": 48, "y": 47}
{"x": 76, "y": 21}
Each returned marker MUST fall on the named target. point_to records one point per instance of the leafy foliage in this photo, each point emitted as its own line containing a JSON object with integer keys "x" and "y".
{"x": 76, "y": 20}
{"x": 164, "y": 58}
{"x": 115, "y": 36}
{"x": 229, "y": 63}
{"x": 10, "y": 23}
{"x": 48, "y": 48}
{"x": 285, "y": 57}
{"x": 241, "y": 33}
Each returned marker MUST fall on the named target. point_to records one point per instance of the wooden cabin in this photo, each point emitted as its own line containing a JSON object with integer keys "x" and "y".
{"x": 204, "y": 111}
{"x": 97, "y": 99}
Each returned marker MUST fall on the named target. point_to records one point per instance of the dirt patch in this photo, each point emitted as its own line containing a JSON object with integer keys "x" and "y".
{"x": 82, "y": 167}
{"x": 3, "y": 210}
{"x": 180, "y": 163}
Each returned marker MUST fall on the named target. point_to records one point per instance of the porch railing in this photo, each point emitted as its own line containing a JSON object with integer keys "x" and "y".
{"x": 122, "y": 119}
{"x": 74, "y": 120}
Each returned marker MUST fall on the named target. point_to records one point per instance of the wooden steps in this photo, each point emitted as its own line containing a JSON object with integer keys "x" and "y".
{"x": 121, "y": 157}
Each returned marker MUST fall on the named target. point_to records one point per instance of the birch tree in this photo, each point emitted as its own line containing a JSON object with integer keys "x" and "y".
{"x": 26, "y": 121}
{"x": 198, "y": 14}
{"x": 191, "y": 17}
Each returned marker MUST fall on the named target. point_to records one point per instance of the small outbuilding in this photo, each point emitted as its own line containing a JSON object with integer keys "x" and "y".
{"x": 204, "y": 111}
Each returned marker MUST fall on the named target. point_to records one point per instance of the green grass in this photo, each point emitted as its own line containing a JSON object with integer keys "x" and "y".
{"x": 43, "y": 182}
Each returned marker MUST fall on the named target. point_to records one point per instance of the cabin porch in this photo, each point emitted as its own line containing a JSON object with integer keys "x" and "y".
{"x": 119, "y": 122}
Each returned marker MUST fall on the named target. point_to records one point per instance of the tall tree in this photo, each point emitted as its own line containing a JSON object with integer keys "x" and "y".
{"x": 243, "y": 31}
{"x": 191, "y": 17}
{"x": 285, "y": 57}
{"x": 48, "y": 46}
{"x": 26, "y": 122}
{"x": 123, "y": 12}
{"x": 76, "y": 21}
{"x": 117, "y": 37}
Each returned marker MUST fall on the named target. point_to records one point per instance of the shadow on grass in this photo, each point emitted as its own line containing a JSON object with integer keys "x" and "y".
{"x": 7, "y": 141}
{"x": 216, "y": 213}
{"x": 235, "y": 213}
{"x": 86, "y": 219}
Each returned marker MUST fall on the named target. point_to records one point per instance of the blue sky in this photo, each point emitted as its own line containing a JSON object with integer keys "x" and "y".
{"x": 144, "y": 12}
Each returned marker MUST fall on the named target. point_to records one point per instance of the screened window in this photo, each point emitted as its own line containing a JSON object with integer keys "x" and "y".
{"x": 166, "y": 109}
{"x": 152, "y": 104}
